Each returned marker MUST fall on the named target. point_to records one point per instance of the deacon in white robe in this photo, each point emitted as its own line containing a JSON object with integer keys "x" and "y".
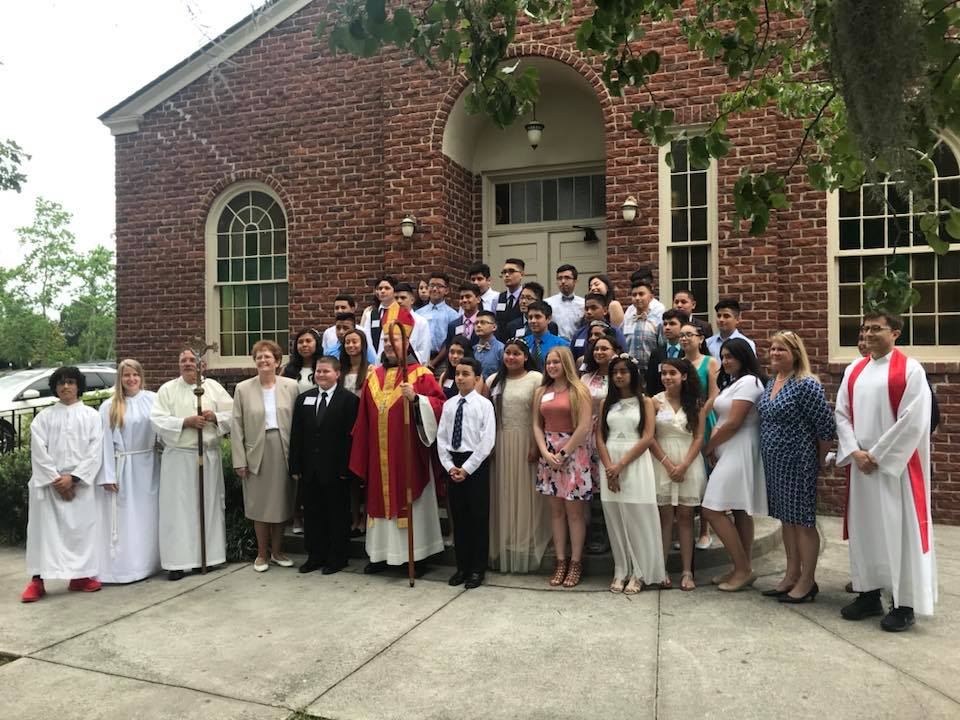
{"x": 65, "y": 440}
{"x": 128, "y": 493}
{"x": 174, "y": 417}
{"x": 888, "y": 456}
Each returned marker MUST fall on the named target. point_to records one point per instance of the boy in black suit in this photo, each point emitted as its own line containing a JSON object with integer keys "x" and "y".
{"x": 323, "y": 419}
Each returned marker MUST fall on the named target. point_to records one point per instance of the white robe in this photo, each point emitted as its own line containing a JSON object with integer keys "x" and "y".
{"x": 129, "y": 545}
{"x": 420, "y": 338}
{"x": 385, "y": 540}
{"x": 62, "y": 534}
{"x": 885, "y": 547}
{"x": 179, "y": 528}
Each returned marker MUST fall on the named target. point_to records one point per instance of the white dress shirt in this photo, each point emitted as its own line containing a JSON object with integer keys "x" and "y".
{"x": 478, "y": 431}
{"x": 270, "y": 408}
{"x": 567, "y": 313}
{"x": 489, "y": 300}
{"x": 321, "y": 391}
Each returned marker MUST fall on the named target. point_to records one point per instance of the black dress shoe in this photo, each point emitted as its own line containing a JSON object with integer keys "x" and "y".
{"x": 331, "y": 569}
{"x": 175, "y": 575}
{"x": 310, "y": 565}
{"x": 474, "y": 580}
{"x": 898, "y": 619}
{"x": 809, "y": 597}
{"x": 866, "y": 605}
{"x": 372, "y": 568}
{"x": 456, "y": 579}
{"x": 774, "y": 593}
{"x": 356, "y": 532}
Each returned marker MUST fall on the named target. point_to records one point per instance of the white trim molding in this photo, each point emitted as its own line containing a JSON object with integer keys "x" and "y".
{"x": 125, "y": 117}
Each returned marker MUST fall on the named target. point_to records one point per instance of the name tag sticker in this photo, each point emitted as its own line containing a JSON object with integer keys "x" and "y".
{"x": 310, "y": 401}
{"x": 547, "y": 397}
{"x": 520, "y": 332}
{"x": 579, "y": 342}
{"x": 374, "y": 323}
{"x": 659, "y": 367}
{"x": 448, "y": 383}
{"x": 501, "y": 307}
{"x": 459, "y": 330}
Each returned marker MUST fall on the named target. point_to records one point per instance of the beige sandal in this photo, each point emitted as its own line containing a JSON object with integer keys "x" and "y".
{"x": 685, "y": 578}
{"x": 633, "y": 587}
{"x": 617, "y": 585}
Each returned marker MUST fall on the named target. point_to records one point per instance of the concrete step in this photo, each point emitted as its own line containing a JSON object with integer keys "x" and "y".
{"x": 767, "y": 539}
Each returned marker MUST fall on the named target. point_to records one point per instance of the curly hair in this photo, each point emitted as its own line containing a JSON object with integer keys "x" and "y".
{"x": 68, "y": 372}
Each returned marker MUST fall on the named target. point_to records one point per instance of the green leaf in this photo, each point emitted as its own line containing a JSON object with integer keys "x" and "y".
{"x": 651, "y": 62}
{"x": 435, "y": 12}
{"x": 818, "y": 176}
{"x": 376, "y": 11}
{"x": 779, "y": 201}
{"x": 320, "y": 29}
{"x": 699, "y": 155}
{"x": 953, "y": 225}
{"x": 402, "y": 27}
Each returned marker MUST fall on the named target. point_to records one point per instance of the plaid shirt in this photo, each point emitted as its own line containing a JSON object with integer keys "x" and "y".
{"x": 642, "y": 339}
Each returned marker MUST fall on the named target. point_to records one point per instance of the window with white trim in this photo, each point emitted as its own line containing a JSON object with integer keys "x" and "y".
{"x": 246, "y": 271}
{"x": 866, "y": 225}
{"x": 688, "y": 229}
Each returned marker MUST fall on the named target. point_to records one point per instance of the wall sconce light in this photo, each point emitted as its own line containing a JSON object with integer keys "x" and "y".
{"x": 407, "y": 226}
{"x": 629, "y": 209}
{"x": 534, "y": 130}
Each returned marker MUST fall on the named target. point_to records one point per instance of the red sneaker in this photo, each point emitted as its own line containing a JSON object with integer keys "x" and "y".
{"x": 34, "y": 591}
{"x": 84, "y": 585}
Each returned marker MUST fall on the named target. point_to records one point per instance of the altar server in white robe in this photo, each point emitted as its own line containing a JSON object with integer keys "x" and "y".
{"x": 883, "y": 427}
{"x": 65, "y": 448}
{"x": 174, "y": 417}
{"x": 129, "y": 481}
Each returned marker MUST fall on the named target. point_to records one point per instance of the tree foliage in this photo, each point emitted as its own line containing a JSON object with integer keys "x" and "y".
{"x": 55, "y": 277}
{"x": 872, "y": 82}
{"x": 12, "y": 157}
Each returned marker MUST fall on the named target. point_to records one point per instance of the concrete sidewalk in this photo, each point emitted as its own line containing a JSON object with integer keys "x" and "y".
{"x": 234, "y": 644}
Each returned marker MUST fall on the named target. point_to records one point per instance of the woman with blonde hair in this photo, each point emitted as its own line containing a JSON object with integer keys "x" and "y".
{"x": 260, "y": 442}
{"x": 561, "y": 426}
{"x": 129, "y": 481}
{"x": 796, "y": 428}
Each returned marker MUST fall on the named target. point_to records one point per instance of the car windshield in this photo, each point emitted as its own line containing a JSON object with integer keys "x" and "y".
{"x": 15, "y": 379}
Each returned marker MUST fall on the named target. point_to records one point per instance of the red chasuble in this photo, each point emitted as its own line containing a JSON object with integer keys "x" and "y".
{"x": 378, "y": 437}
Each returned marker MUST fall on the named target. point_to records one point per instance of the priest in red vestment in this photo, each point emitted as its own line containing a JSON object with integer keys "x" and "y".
{"x": 377, "y": 454}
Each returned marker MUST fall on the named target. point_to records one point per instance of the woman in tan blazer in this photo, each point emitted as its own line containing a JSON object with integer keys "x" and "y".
{"x": 262, "y": 414}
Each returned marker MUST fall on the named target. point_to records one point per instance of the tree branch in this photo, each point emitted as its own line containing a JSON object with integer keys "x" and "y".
{"x": 806, "y": 134}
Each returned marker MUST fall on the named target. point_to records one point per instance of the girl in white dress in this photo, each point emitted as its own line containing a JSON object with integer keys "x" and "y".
{"x": 129, "y": 481}
{"x": 628, "y": 486}
{"x": 736, "y": 482}
{"x": 681, "y": 476}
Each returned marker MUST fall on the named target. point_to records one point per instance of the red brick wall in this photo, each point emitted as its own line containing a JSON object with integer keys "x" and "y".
{"x": 351, "y": 146}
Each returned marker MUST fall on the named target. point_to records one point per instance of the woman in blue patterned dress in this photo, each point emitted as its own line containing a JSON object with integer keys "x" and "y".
{"x": 796, "y": 428}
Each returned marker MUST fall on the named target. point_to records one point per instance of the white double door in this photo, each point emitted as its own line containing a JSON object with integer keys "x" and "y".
{"x": 544, "y": 250}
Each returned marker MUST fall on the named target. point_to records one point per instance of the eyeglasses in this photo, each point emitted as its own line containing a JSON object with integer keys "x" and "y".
{"x": 436, "y": 286}
{"x": 485, "y": 321}
{"x": 690, "y": 335}
{"x": 508, "y": 271}
{"x": 873, "y": 328}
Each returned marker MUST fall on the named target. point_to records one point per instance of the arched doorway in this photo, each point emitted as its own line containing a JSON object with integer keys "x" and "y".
{"x": 537, "y": 203}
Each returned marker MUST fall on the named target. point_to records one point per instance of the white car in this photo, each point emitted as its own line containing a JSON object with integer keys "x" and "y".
{"x": 24, "y": 392}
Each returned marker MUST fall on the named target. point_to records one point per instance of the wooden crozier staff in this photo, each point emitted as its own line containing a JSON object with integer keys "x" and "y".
{"x": 407, "y": 450}
{"x": 199, "y": 349}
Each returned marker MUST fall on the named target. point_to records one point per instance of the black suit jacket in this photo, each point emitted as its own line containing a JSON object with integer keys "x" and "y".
{"x": 321, "y": 451}
{"x": 653, "y": 382}
{"x": 505, "y": 317}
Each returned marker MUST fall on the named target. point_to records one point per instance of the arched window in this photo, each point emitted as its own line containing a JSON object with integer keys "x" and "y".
{"x": 246, "y": 272}
{"x": 863, "y": 228}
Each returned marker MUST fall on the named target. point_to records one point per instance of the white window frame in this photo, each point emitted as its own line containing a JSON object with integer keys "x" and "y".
{"x": 211, "y": 300}
{"x": 666, "y": 228}
{"x": 845, "y": 355}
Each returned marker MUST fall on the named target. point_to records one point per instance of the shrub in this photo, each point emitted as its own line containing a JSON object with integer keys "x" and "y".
{"x": 14, "y": 475}
{"x": 241, "y": 538}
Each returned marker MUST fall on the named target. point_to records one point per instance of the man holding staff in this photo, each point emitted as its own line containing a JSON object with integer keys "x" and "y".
{"x": 174, "y": 416}
{"x": 392, "y": 457}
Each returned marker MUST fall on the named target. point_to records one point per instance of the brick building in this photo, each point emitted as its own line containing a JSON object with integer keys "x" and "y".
{"x": 261, "y": 175}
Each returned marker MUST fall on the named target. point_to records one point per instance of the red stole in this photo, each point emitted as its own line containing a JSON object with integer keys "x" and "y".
{"x": 896, "y": 386}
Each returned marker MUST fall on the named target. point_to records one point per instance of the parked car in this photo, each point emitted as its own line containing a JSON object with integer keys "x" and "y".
{"x": 24, "y": 392}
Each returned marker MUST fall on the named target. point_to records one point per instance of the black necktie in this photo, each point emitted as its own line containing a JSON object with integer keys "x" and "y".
{"x": 322, "y": 406}
{"x": 458, "y": 426}
{"x": 510, "y": 302}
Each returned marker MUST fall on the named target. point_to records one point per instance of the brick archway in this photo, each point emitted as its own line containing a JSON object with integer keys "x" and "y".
{"x": 224, "y": 183}
{"x": 532, "y": 49}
